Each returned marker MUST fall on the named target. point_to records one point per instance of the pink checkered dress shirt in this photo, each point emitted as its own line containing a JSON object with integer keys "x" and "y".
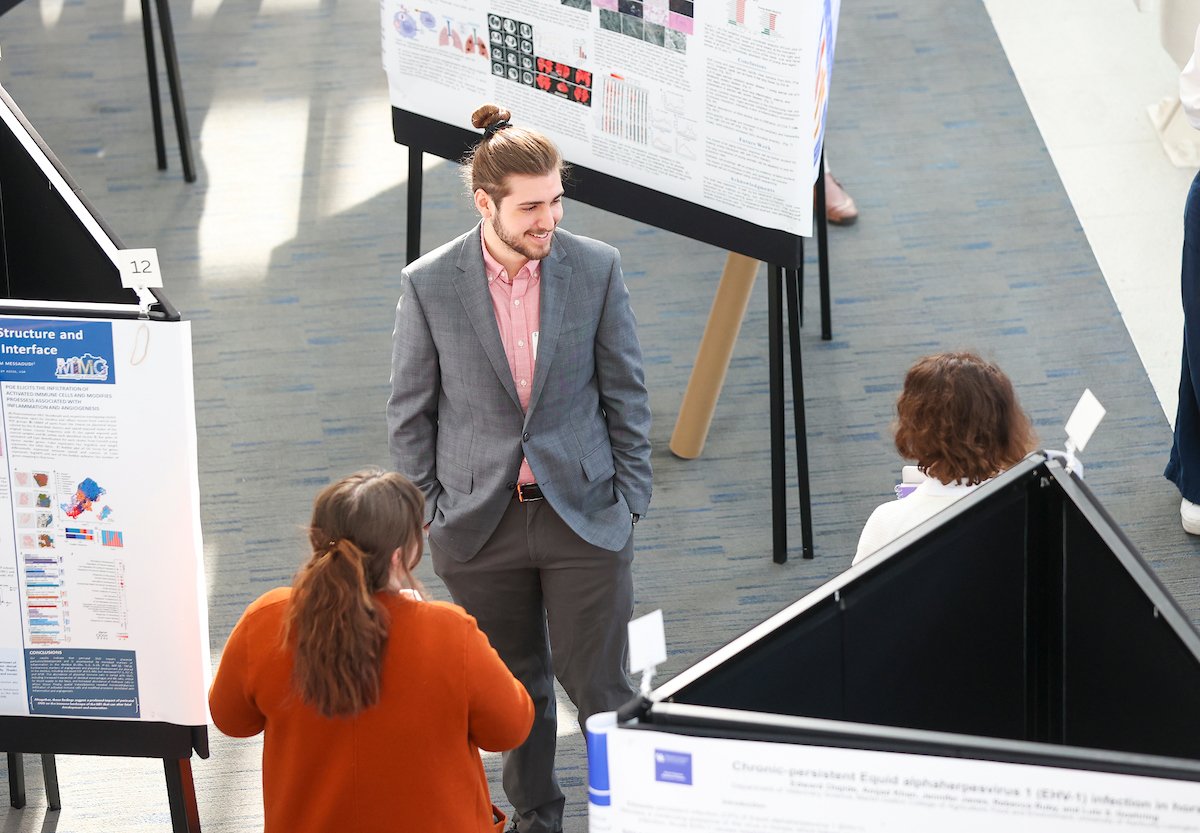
{"x": 517, "y": 301}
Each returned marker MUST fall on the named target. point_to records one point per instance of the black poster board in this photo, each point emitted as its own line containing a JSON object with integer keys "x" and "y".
{"x": 47, "y": 253}
{"x": 1021, "y": 621}
{"x": 627, "y": 199}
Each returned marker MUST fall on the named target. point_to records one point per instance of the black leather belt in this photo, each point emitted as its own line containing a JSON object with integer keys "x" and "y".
{"x": 526, "y": 492}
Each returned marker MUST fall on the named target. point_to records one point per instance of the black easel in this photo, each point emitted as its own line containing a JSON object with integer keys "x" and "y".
{"x": 16, "y": 781}
{"x": 793, "y": 281}
{"x": 784, "y": 254}
{"x": 50, "y": 736}
{"x": 821, "y": 222}
{"x": 171, "y": 59}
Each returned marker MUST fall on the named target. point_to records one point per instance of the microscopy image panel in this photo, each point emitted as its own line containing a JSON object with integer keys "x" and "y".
{"x": 681, "y": 23}
{"x": 632, "y": 8}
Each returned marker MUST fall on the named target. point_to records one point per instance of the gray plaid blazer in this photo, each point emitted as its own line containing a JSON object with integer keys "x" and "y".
{"x": 457, "y": 428}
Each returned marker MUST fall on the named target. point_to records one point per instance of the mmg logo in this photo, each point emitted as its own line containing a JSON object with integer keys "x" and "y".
{"x": 86, "y": 366}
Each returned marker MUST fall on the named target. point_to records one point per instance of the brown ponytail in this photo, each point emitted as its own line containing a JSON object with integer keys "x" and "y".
{"x": 506, "y": 150}
{"x": 336, "y": 625}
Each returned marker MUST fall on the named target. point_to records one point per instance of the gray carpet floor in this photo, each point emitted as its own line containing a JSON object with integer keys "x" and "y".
{"x": 967, "y": 240}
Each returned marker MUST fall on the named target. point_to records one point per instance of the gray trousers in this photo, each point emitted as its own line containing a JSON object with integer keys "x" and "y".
{"x": 552, "y": 605}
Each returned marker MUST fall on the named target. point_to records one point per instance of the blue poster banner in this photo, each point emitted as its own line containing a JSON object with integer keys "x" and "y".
{"x": 42, "y": 350}
{"x": 82, "y": 683}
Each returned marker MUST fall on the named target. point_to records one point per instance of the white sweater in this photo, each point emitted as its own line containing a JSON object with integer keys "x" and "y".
{"x": 892, "y": 519}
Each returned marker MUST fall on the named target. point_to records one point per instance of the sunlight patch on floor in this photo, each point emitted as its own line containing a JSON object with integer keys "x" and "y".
{"x": 51, "y": 12}
{"x": 254, "y": 154}
{"x": 360, "y": 159}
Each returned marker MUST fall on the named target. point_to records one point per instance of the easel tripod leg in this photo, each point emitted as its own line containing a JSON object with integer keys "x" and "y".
{"x": 778, "y": 464}
{"x": 798, "y": 412}
{"x": 171, "y": 59}
{"x": 16, "y": 780}
{"x": 800, "y": 284}
{"x": 160, "y": 146}
{"x": 416, "y": 171}
{"x": 823, "y": 254}
{"x": 50, "y": 778}
{"x": 712, "y": 357}
{"x": 181, "y": 795}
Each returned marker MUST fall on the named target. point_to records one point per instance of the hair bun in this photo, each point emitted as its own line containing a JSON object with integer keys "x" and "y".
{"x": 488, "y": 115}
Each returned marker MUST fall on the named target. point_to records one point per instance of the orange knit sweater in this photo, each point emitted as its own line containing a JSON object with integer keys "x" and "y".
{"x": 408, "y": 763}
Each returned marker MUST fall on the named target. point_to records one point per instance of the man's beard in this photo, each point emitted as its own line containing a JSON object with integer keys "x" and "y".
{"x": 518, "y": 243}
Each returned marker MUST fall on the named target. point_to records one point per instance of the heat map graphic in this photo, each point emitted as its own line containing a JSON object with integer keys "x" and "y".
{"x": 87, "y": 493}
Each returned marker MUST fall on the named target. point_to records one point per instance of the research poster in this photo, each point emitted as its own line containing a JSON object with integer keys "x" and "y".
{"x": 102, "y": 605}
{"x": 662, "y": 783}
{"x": 718, "y": 102}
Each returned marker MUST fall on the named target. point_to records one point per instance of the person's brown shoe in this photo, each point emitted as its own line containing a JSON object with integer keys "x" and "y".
{"x": 839, "y": 206}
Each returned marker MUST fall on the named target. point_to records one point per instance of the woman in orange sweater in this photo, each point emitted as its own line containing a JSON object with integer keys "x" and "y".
{"x": 374, "y": 702}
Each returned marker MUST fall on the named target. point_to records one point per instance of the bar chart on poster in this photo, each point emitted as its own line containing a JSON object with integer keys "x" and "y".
{"x": 102, "y": 612}
{"x": 721, "y": 103}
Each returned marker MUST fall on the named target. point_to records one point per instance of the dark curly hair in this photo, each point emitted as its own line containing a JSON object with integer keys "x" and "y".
{"x": 959, "y": 418}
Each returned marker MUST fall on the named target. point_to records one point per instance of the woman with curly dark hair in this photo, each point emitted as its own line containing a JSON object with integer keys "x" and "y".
{"x": 959, "y": 418}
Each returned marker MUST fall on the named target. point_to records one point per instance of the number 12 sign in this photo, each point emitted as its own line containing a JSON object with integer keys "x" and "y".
{"x": 139, "y": 268}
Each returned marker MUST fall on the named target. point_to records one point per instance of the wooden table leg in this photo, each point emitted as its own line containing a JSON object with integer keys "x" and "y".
{"x": 712, "y": 359}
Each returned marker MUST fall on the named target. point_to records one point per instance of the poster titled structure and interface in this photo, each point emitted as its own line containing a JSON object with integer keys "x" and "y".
{"x": 718, "y": 102}
{"x": 102, "y": 610}
{"x": 661, "y": 783}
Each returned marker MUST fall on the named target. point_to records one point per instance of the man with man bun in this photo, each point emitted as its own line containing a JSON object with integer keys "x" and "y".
{"x": 520, "y": 409}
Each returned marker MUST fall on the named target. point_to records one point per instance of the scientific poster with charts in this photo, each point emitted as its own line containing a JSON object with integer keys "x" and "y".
{"x": 718, "y": 102}
{"x": 662, "y": 783}
{"x": 102, "y": 605}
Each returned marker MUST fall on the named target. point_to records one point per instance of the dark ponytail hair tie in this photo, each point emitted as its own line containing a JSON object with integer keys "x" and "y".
{"x": 494, "y": 128}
